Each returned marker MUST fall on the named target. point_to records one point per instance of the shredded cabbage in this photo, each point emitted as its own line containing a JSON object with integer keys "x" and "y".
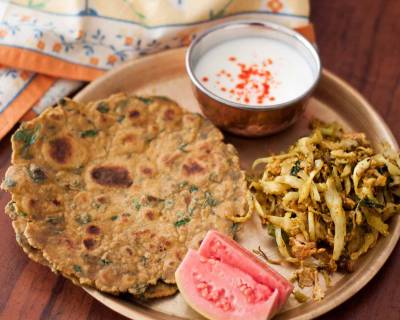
{"x": 334, "y": 203}
{"x": 327, "y": 199}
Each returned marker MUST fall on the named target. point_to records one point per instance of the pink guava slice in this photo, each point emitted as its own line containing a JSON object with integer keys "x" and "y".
{"x": 220, "y": 291}
{"x": 219, "y": 247}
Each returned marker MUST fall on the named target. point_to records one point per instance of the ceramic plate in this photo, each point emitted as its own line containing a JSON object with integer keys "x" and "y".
{"x": 333, "y": 100}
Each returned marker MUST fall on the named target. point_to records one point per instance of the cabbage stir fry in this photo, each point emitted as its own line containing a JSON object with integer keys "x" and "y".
{"x": 327, "y": 200}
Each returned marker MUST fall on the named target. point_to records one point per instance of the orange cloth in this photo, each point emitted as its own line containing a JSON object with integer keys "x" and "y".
{"x": 48, "y": 48}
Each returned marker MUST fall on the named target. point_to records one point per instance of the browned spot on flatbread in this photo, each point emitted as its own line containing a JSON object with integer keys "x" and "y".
{"x": 56, "y": 117}
{"x": 93, "y": 229}
{"x": 105, "y": 188}
{"x": 149, "y": 214}
{"x": 134, "y": 114}
{"x": 60, "y": 150}
{"x": 192, "y": 168}
{"x": 69, "y": 243}
{"x": 102, "y": 199}
{"x": 88, "y": 243}
{"x": 163, "y": 244}
{"x": 32, "y": 203}
{"x": 169, "y": 114}
{"x": 141, "y": 233}
{"x": 113, "y": 176}
{"x": 104, "y": 119}
{"x": 159, "y": 290}
{"x": 170, "y": 159}
{"x": 206, "y": 148}
{"x": 147, "y": 171}
{"x": 129, "y": 138}
{"x": 188, "y": 199}
{"x": 179, "y": 255}
{"x": 151, "y": 198}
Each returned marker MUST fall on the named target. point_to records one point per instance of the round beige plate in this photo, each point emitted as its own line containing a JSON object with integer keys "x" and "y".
{"x": 333, "y": 100}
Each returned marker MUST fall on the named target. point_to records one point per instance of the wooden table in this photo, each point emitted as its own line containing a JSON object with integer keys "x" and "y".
{"x": 359, "y": 41}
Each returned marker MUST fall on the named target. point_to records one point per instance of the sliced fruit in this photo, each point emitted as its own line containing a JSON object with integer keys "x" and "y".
{"x": 220, "y": 291}
{"x": 226, "y": 250}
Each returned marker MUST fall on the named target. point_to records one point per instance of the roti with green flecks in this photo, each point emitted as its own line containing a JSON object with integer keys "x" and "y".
{"x": 159, "y": 290}
{"x": 113, "y": 193}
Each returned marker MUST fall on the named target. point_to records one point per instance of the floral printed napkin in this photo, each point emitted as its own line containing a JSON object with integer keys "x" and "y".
{"x": 51, "y": 48}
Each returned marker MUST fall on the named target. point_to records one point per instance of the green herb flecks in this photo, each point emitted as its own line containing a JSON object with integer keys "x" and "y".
{"x": 95, "y": 205}
{"x": 122, "y": 104}
{"x": 113, "y": 218}
{"x": 88, "y": 133}
{"x": 144, "y": 260}
{"x": 180, "y": 214}
{"x": 210, "y": 200}
{"x": 105, "y": 262}
{"x": 103, "y": 107}
{"x": 145, "y": 100}
{"x": 163, "y": 98}
{"x": 11, "y": 206}
{"x": 28, "y": 137}
{"x": 371, "y": 204}
{"x": 213, "y": 177}
{"x": 182, "y": 222}
{"x": 77, "y": 170}
{"x": 149, "y": 138}
{"x": 182, "y": 147}
{"x": 191, "y": 210}
{"x": 83, "y": 219}
{"x": 168, "y": 203}
{"x": 120, "y": 118}
{"x": 136, "y": 204}
{"x": 182, "y": 184}
{"x": 193, "y": 188}
{"x": 36, "y": 174}
{"x": 9, "y": 183}
{"x": 77, "y": 268}
{"x": 296, "y": 168}
{"x": 54, "y": 220}
{"x": 152, "y": 199}
{"x": 22, "y": 213}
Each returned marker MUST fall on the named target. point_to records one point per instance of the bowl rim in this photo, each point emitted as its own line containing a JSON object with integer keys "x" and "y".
{"x": 248, "y": 23}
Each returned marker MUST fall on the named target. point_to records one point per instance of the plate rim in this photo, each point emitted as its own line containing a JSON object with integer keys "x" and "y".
{"x": 121, "y": 306}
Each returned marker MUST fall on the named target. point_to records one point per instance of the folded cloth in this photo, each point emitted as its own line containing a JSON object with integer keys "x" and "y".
{"x": 51, "y": 48}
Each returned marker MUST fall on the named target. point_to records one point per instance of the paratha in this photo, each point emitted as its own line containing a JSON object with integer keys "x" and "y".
{"x": 159, "y": 290}
{"x": 112, "y": 193}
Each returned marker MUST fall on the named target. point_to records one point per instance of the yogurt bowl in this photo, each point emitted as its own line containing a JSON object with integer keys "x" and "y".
{"x": 252, "y": 78}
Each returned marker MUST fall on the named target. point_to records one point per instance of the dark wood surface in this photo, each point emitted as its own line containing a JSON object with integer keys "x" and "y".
{"x": 359, "y": 41}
